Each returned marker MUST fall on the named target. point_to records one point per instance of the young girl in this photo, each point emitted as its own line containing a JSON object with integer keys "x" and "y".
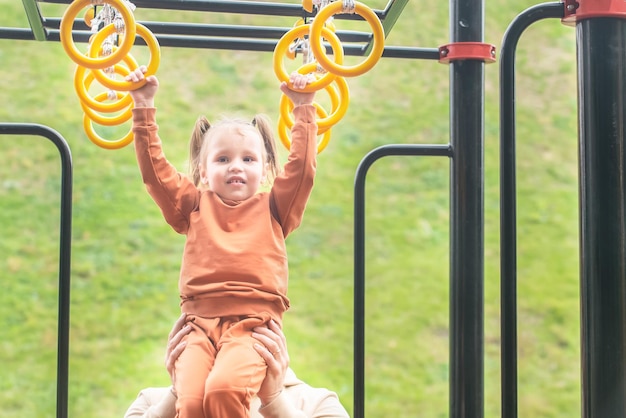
{"x": 234, "y": 274}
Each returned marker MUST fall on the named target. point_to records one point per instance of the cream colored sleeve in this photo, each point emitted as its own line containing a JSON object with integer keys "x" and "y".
{"x": 304, "y": 401}
{"x": 281, "y": 407}
{"x": 153, "y": 403}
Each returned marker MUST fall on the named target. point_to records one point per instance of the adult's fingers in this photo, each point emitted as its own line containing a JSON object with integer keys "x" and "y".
{"x": 266, "y": 337}
{"x": 175, "y": 341}
{"x": 265, "y": 353}
{"x": 277, "y": 330}
{"x": 176, "y": 352}
{"x": 177, "y": 325}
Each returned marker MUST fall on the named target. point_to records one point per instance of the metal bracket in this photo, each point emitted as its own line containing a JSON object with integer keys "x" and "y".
{"x": 576, "y": 10}
{"x": 467, "y": 51}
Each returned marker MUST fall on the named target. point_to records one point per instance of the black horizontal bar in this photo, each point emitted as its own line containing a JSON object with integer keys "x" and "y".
{"x": 411, "y": 52}
{"x": 239, "y": 44}
{"x": 225, "y": 6}
{"x": 232, "y": 6}
{"x": 198, "y": 29}
{"x": 17, "y": 33}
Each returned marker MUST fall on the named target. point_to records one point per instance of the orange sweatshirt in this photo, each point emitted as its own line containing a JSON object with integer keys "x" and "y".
{"x": 234, "y": 261}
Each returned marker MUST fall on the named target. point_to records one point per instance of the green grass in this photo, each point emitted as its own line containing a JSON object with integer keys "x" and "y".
{"x": 125, "y": 260}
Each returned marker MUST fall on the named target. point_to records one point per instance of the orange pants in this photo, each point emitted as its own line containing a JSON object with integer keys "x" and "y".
{"x": 219, "y": 371}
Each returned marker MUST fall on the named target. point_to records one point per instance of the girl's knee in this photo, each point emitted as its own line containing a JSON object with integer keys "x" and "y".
{"x": 219, "y": 382}
{"x": 227, "y": 402}
{"x": 189, "y": 407}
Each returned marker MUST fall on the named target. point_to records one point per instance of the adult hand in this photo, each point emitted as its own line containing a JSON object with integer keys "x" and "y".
{"x": 175, "y": 346}
{"x": 298, "y": 82}
{"x": 273, "y": 349}
{"x": 143, "y": 96}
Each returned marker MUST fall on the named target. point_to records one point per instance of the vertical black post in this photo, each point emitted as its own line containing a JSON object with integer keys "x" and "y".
{"x": 466, "y": 216}
{"x": 508, "y": 201}
{"x": 359, "y": 254}
{"x": 601, "y": 54}
{"x": 65, "y": 247}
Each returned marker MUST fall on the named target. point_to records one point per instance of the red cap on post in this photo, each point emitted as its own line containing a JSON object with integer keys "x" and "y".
{"x": 467, "y": 51}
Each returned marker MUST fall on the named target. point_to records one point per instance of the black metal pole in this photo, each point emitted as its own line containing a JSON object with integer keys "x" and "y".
{"x": 601, "y": 50}
{"x": 359, "y": 255}
{"x": 508, "y": 215}
{"x": 466, "y": 216}
{"x": 65, "y": 248}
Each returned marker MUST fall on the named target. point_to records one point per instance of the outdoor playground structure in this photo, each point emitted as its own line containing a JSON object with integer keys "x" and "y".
{"x": 599, "y": 25}
{"x": 114, "y": 31}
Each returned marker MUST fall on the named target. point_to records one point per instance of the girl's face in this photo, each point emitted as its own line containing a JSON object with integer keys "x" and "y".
{"x": 234, "y": 168}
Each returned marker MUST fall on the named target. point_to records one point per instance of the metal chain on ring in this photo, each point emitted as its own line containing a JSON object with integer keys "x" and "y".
{"x": 348, "y": 7}
{"x": 107, "y": 15}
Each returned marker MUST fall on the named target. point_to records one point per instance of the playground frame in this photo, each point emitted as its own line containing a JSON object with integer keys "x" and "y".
{"x": 600, "y": 29}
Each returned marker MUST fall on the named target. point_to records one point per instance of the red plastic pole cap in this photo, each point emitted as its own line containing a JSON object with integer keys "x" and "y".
{"x": 467, "y": 51}
{"x": 585, "y": 9}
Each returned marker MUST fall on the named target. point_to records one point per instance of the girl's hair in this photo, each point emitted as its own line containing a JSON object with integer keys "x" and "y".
{"x": 195, "y": 145}
{"x": 202, "y": 130}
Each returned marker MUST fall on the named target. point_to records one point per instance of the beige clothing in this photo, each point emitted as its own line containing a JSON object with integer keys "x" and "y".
{"x": 298, "y": 400}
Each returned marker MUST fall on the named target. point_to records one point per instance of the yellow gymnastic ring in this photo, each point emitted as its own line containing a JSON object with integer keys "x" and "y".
{"x": 104, "y": 120}
{"x": 299, "y": 31}
{"x": 335, "y": 67}
{"x": 82, "y": 83}
{"x": 307, "y": 5}
{"x": 90, "y": 13}
{"x": 339, "y": 106}
{"x": 286, "y": 106}
{"x": 284, "y": 136}
{"x": 153, "y": 64}
{"x": 289, "y": 53}
{"x": 65, "y": 34}
{"x": 103, "y": 143}
{"x": 331, "y": 25}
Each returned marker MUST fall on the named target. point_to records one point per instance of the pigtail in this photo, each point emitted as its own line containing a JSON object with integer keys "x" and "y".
{"x": 195, "y": 145}
{"x": 264, "y": 126}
